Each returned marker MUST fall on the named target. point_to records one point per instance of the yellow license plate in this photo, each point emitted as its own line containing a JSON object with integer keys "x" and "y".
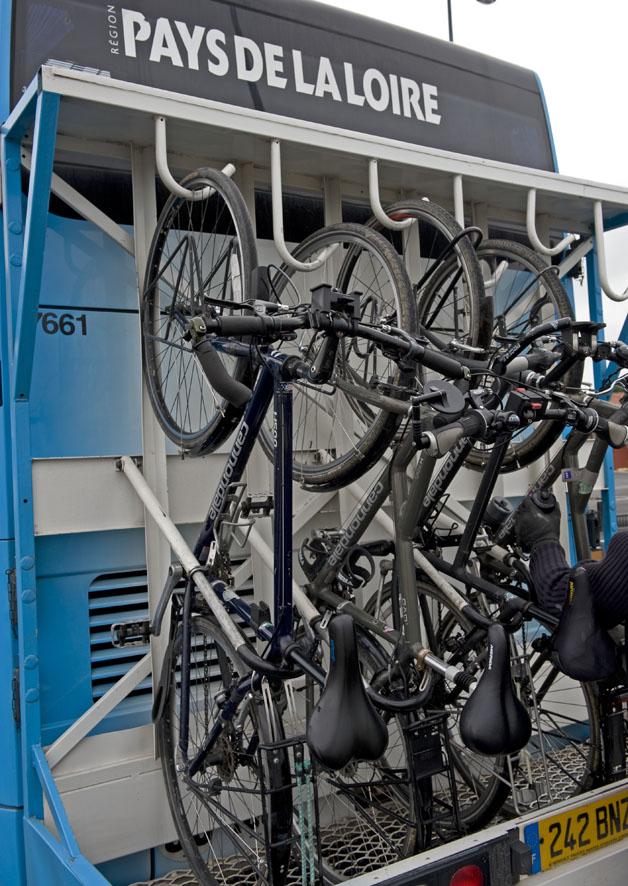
{"x": 588, "y": 827}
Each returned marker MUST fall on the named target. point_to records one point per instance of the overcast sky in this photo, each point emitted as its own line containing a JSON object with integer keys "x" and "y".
{"x": 579, "y": 48}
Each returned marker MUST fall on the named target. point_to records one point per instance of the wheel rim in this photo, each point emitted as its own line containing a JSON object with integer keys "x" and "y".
{"x": 196, "y": 263}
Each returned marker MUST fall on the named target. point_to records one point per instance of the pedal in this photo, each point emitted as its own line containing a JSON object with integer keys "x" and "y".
{"x": 257, "y": 507}
{"x": 130, "y": 633}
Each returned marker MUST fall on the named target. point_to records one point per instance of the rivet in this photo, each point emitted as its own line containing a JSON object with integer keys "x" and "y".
{"x": 15, "y": 227}
{"x": 32, "y": 695}
{"x": 27, "y": 562}
{"x": 28, "y": 596}
{"x": 16, "y": 260}
{"x": 30, "y": 662}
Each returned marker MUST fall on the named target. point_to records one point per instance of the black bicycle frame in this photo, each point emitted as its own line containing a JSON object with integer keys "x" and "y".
{"x": 269, "y": 383}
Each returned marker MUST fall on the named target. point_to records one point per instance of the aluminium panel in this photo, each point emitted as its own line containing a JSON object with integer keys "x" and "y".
{"x": 240, "y": 135}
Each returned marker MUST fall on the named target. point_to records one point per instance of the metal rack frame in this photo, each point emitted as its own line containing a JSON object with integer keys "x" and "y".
{"x": 78, "y": 114}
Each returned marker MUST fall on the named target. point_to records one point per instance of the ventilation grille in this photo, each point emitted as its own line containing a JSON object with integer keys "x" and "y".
{"x": 116, "y": 597}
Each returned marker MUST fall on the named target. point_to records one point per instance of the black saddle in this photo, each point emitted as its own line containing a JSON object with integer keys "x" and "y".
{"x": 580, "y": 647}
{"x": 344, "y": 724}
{"x": 494, "y": 721}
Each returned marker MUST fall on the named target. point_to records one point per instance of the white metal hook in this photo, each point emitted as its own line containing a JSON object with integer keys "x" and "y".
{"x": 161, "y": 157}
{"x": 458, "y": 200}
{"x": 598, "y": 227}
{"x": 533, "y": 237}
{"x": 376, "y": 206}
{"x": 277, "y": 204}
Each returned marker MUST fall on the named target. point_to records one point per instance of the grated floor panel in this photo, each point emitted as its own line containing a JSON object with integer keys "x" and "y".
{"x": 351, "y": 855}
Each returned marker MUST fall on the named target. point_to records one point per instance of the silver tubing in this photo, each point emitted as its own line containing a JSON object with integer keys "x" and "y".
{"x": 161, "y": 158}
{"x": 598, "y": 225}
{"x": 277, "y": 211}
{"x": 178, "y": 544}
{"x": 449, "y": 672}
{"x": 448, "y": 590}
{"x": 376, "y": 204}
{"x": 305, "y": 606}
{"x": 534, "y": 237}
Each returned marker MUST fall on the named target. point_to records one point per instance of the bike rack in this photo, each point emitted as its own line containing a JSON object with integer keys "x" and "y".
{"x": 51, "y": 109}
{"x": 161, "y": 157}
{"x": 534, "y": 237}
{"x": 378, "y": 210}
{"x": 278, "y": 235}
{"x": 598, "y": 223}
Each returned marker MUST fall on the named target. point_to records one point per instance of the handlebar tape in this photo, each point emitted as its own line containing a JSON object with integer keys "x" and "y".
{"x": 216, "y": 373}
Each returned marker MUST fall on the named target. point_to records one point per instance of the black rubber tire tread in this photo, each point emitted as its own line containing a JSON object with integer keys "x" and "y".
{"x": 480, "y": 306}
{"x": 525, "y": 452}
{"x": 379, "y": 434}
{"x": 225, "y": 419}
{"x": 277, "y": 776}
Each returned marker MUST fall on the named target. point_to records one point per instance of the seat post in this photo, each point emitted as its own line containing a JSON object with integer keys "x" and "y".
{"x": 282, "y": 513}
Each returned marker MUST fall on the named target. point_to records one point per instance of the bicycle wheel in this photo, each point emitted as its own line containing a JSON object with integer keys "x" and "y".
{"x": 562, "y": 757}
{"x": 200, "y": 260}
{"x": 525, "y": 292}
{"x": 337, "y": 435}
{"x": 481, "y": 782}
{"x": 446, "y": 276}
{"x": 234, "y": 818}
{"x": 371, "y": 813}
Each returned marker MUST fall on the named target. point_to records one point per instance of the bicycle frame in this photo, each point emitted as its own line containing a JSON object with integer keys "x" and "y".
{"x": 268, "y": 385}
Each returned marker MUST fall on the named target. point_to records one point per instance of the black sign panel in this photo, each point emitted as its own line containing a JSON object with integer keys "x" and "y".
{"x": 299, "y": 59}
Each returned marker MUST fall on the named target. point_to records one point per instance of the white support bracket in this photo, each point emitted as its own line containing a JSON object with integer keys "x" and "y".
{"x": 98, "y": 711}
{"x": 576, "y": 255}
{"x": 84, "y": 207}
{"x": 163, "y": 170}
{"x": 376, "y": 204}
{"x": 533, "y": 237}
{"x": 598, "y": 227}
{"x": 277, "y": 204}
{"x": 459, "y": 200}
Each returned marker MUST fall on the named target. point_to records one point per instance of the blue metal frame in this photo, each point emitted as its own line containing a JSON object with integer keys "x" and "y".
{"x": 47, "y": 859}
{"x": 596, "y": 313}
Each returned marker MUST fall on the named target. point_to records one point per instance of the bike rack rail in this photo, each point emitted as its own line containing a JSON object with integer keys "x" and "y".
{"x": 81, "y": 115}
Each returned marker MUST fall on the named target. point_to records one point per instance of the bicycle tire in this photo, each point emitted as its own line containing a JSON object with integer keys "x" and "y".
{"x": 337, "y": 437}
{"x": 217, "y": 822}
{"x": 451, "y": 302}
{"x": 571, "y": 759}
{"x": 481, "y": 786}
{"x": 516, "y": 282}
{"x": 202, "y": 254}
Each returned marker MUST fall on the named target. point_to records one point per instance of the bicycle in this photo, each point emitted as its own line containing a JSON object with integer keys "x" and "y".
{"x": 232, "y": 755}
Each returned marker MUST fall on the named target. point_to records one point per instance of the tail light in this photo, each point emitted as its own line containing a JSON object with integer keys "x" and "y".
{"x": 469, "y": 875}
